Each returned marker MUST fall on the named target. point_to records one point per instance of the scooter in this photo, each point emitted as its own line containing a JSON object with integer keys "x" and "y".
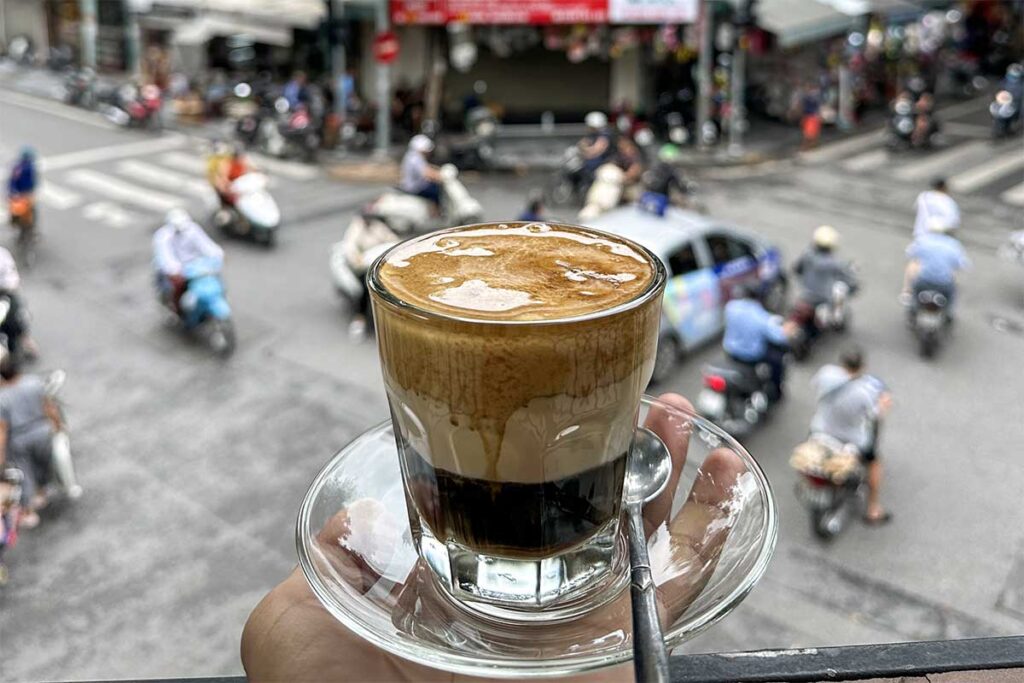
{"x": 136, "y": 109}
{"x": 832, "y": 485}
{"x": 254, "y": 213}
{"x": 475, "y": 150}
{"x": 901, "y": 126}
{"x": 605, "y": 193}
{"x": 23, "y": 218}
{"x": 349, "y": 262}
{"x": 79, "y": 88}
{"x": 204, "y": 311}
{"x": 567, "y": 184}
{"x": 812, "y": 321}
{"x": 930, "y": 320}
{"x": 736, "y": 396}
{"x": 406, "y": 213}
{"x": 1005, "y": 111}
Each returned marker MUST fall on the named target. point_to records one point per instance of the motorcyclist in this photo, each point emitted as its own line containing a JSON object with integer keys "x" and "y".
{"x": 23, "y": 179}
{"x": 935, "y": 204}
{"x": 364, "y": 240}
{"x": 417, "y": 175}
{"x": 630, "y": 159}
{"x": 28, "y": 422}
{"x": 13, "y": 326}
{"x": 666, "y": 180}
{"x": 935, "y": 258}
{"x": 231, "y": 168}
{"x": 177, "y": 243}
{"x": 596, "y": 145}
{"x": 850, "y": 405}
{"x": 219, "y": 155}
{"x": 819, "y": 269}
{"x": 1013, "y": 81}
{"x": 924, "y": 120}
{"x": 534, "y": 211}
{"x": 754, "y": 336}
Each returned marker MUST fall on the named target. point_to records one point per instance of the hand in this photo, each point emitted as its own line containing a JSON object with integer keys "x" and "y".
{"x": 291, "y": 637}
{"x": 790, "y": 328}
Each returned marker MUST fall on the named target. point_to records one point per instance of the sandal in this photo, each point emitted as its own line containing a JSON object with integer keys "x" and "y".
{"x": 883, "y": 518}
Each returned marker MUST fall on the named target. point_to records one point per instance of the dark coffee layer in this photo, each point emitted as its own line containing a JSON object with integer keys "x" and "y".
{"x": 515, "y": 520}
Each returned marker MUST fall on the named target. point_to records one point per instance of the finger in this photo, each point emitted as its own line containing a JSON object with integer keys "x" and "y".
{"x": 697, "y": 534}
{"x": 674, "y": 430}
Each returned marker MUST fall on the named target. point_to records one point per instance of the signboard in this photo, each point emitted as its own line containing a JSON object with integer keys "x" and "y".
{"x": 536, "y": 12}
{"x": 385, "y": 47}
{"x": 652, "y": 11}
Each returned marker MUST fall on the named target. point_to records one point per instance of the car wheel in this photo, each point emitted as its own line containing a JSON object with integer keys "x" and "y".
{"x": 665, "y": 358}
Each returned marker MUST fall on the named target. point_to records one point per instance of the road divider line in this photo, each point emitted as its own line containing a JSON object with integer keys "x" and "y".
{"x": 1015, "y": 195}
{"x": 939, "y": 162}
{"x": 979, "y": 176}
{"x": 55, "y": 108}
{"x": 110, "y": 152}
{"x": 122, "y": 191}
{"x": 867, "y": 161}
{"x": 164, "y": 178}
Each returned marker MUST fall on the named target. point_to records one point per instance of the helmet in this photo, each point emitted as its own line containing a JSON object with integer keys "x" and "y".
{"x": 27, "y": 153}
{"x": 826, "y": 237}
{"x": 177, "y": 218}
{"x": 596, "y": 119}
{"x": 1015, "y": 72}
{"x": 421, "y": 143}
{"x": 669, "y": 154}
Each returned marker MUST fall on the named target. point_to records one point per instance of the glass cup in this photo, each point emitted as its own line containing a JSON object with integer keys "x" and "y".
{"x": 513, "y": 439}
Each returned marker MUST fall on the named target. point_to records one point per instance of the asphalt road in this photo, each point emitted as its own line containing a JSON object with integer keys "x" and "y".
{"x": 194, "y": 468}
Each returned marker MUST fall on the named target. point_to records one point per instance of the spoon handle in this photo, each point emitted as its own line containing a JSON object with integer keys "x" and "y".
{"x": 650, "y": 657}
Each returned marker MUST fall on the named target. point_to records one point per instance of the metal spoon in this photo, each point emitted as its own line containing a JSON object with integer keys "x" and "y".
{"x": 650, "y": 466}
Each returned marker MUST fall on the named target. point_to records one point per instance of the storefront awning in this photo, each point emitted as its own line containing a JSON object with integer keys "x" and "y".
{"x": 795, "y": 22}
{"x": 202, "y": 29}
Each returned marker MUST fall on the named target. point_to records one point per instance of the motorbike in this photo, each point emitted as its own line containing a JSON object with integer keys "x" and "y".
{"x": 23, "y": 218}
{"x": 136, "y": 108}
{"x": 1013, "y": 250}
{"x": 79, "y": 88}
{"x": 406, "y": 213}
{"x": 204, "y": 311}
{"x": 605, "y": 192}
{"x": 901, "y": 125}
{"x": 736, "y": 396}
{"x": 812, "y": 321}
{"x": 349, "y": 266}
{"x": 254, "y": 213}
{"x": 831, "y": 485}
{"x": 475, "y": 150}
{"x": 930, "y": 321}
{"x": 567, "y": 184}
{"x": 1006, "y": 115}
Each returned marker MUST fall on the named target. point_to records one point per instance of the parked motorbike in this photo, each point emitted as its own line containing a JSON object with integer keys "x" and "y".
{"x": 567, "y": 184}
{"x": 832, "y": 483}
{"x": 813, "y": 321}
{"x": 605, "y": 192}
{"x": 406, "y": 213}
{"x": 79, "y": 88}
{"x": 736, "y": 396}
{"x": 1006, "y": 115}
{"x": 930, "y": 320}
{"x": 254, "y": 213}
{"x": 204, "y": 310}
{"x": 136, "y": 108}
{"x": 475, "y": 150}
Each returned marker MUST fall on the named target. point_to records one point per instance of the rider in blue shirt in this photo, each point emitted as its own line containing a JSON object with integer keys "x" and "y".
{"x": 935, "y": 259}
{"x": 23, "y": 175}
{"x": 753, "y": 335}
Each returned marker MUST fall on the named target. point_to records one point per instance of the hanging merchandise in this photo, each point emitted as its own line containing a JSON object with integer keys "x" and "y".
{"x": 462, "y": 50}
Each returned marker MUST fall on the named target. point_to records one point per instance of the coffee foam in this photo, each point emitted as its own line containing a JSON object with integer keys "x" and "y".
{"x": 521, "y": 403}
{"x": 525, "y": 271}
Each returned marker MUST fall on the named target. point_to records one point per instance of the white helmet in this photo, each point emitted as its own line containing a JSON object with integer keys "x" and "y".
{"x": 596, "y": 119}
{"x": 178, "y": 217}
{"x": 825, "y": 237}
{"x": 421, "y": 143}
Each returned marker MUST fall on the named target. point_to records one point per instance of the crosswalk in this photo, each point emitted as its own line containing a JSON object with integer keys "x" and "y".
{"x": 971, "y": 166}
{"x": 125, "y": 185}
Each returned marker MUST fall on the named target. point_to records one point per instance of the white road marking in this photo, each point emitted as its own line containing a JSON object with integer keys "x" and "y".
{"x": 164, "y": 178}
{"x": 192, "y": 163}
{"x": 1015, "y": 195}
{"x": 123, "y": 191}
{"x": 961, "y": 108}
{"x": 96, "y": 154}
{"x": 867, "y": 161}
{"x": 57, "y": 196}
{"x": 111, "y": 214}
{"x": 290, "y": 169}
{"x": 979, "y": 176}
{"x": 55, "y": 108}
{"x": 843, "y": 148}
{"x": 939, "y": 162}
{"x": 967, "y": 130}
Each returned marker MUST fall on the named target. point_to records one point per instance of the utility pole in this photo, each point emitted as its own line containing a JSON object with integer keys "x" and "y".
{"x": 738, "y": 110}
{"x": 133, "y": 36}
{"x": 704, "y": 70}
{"x": 87, "y": 8}
{"x": 383, "y": 88}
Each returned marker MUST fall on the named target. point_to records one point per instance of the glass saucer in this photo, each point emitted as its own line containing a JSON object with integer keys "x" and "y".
{"x": 711, "y": 535}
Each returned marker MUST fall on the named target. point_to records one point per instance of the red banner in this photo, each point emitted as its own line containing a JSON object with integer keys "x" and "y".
{"x": 538, "y": 12}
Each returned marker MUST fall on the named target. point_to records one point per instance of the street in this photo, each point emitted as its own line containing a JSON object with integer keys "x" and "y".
{"x": 194, "y": 468}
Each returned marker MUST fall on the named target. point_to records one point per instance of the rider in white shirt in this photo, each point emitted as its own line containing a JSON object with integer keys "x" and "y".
{"x": 177, "y": 243}
{"x": 13, "y": 325}
{"x": 935, "y": 205}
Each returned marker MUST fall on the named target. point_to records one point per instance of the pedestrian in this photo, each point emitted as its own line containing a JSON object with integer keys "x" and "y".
{"x": 935, "y": 205}
{"x": 851, "y": 404}
{"x": 810, "y": 123}
{"x": 534, "y": 211}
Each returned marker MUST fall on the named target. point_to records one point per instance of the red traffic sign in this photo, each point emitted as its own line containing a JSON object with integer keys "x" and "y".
{"x": 385, "y": 47}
